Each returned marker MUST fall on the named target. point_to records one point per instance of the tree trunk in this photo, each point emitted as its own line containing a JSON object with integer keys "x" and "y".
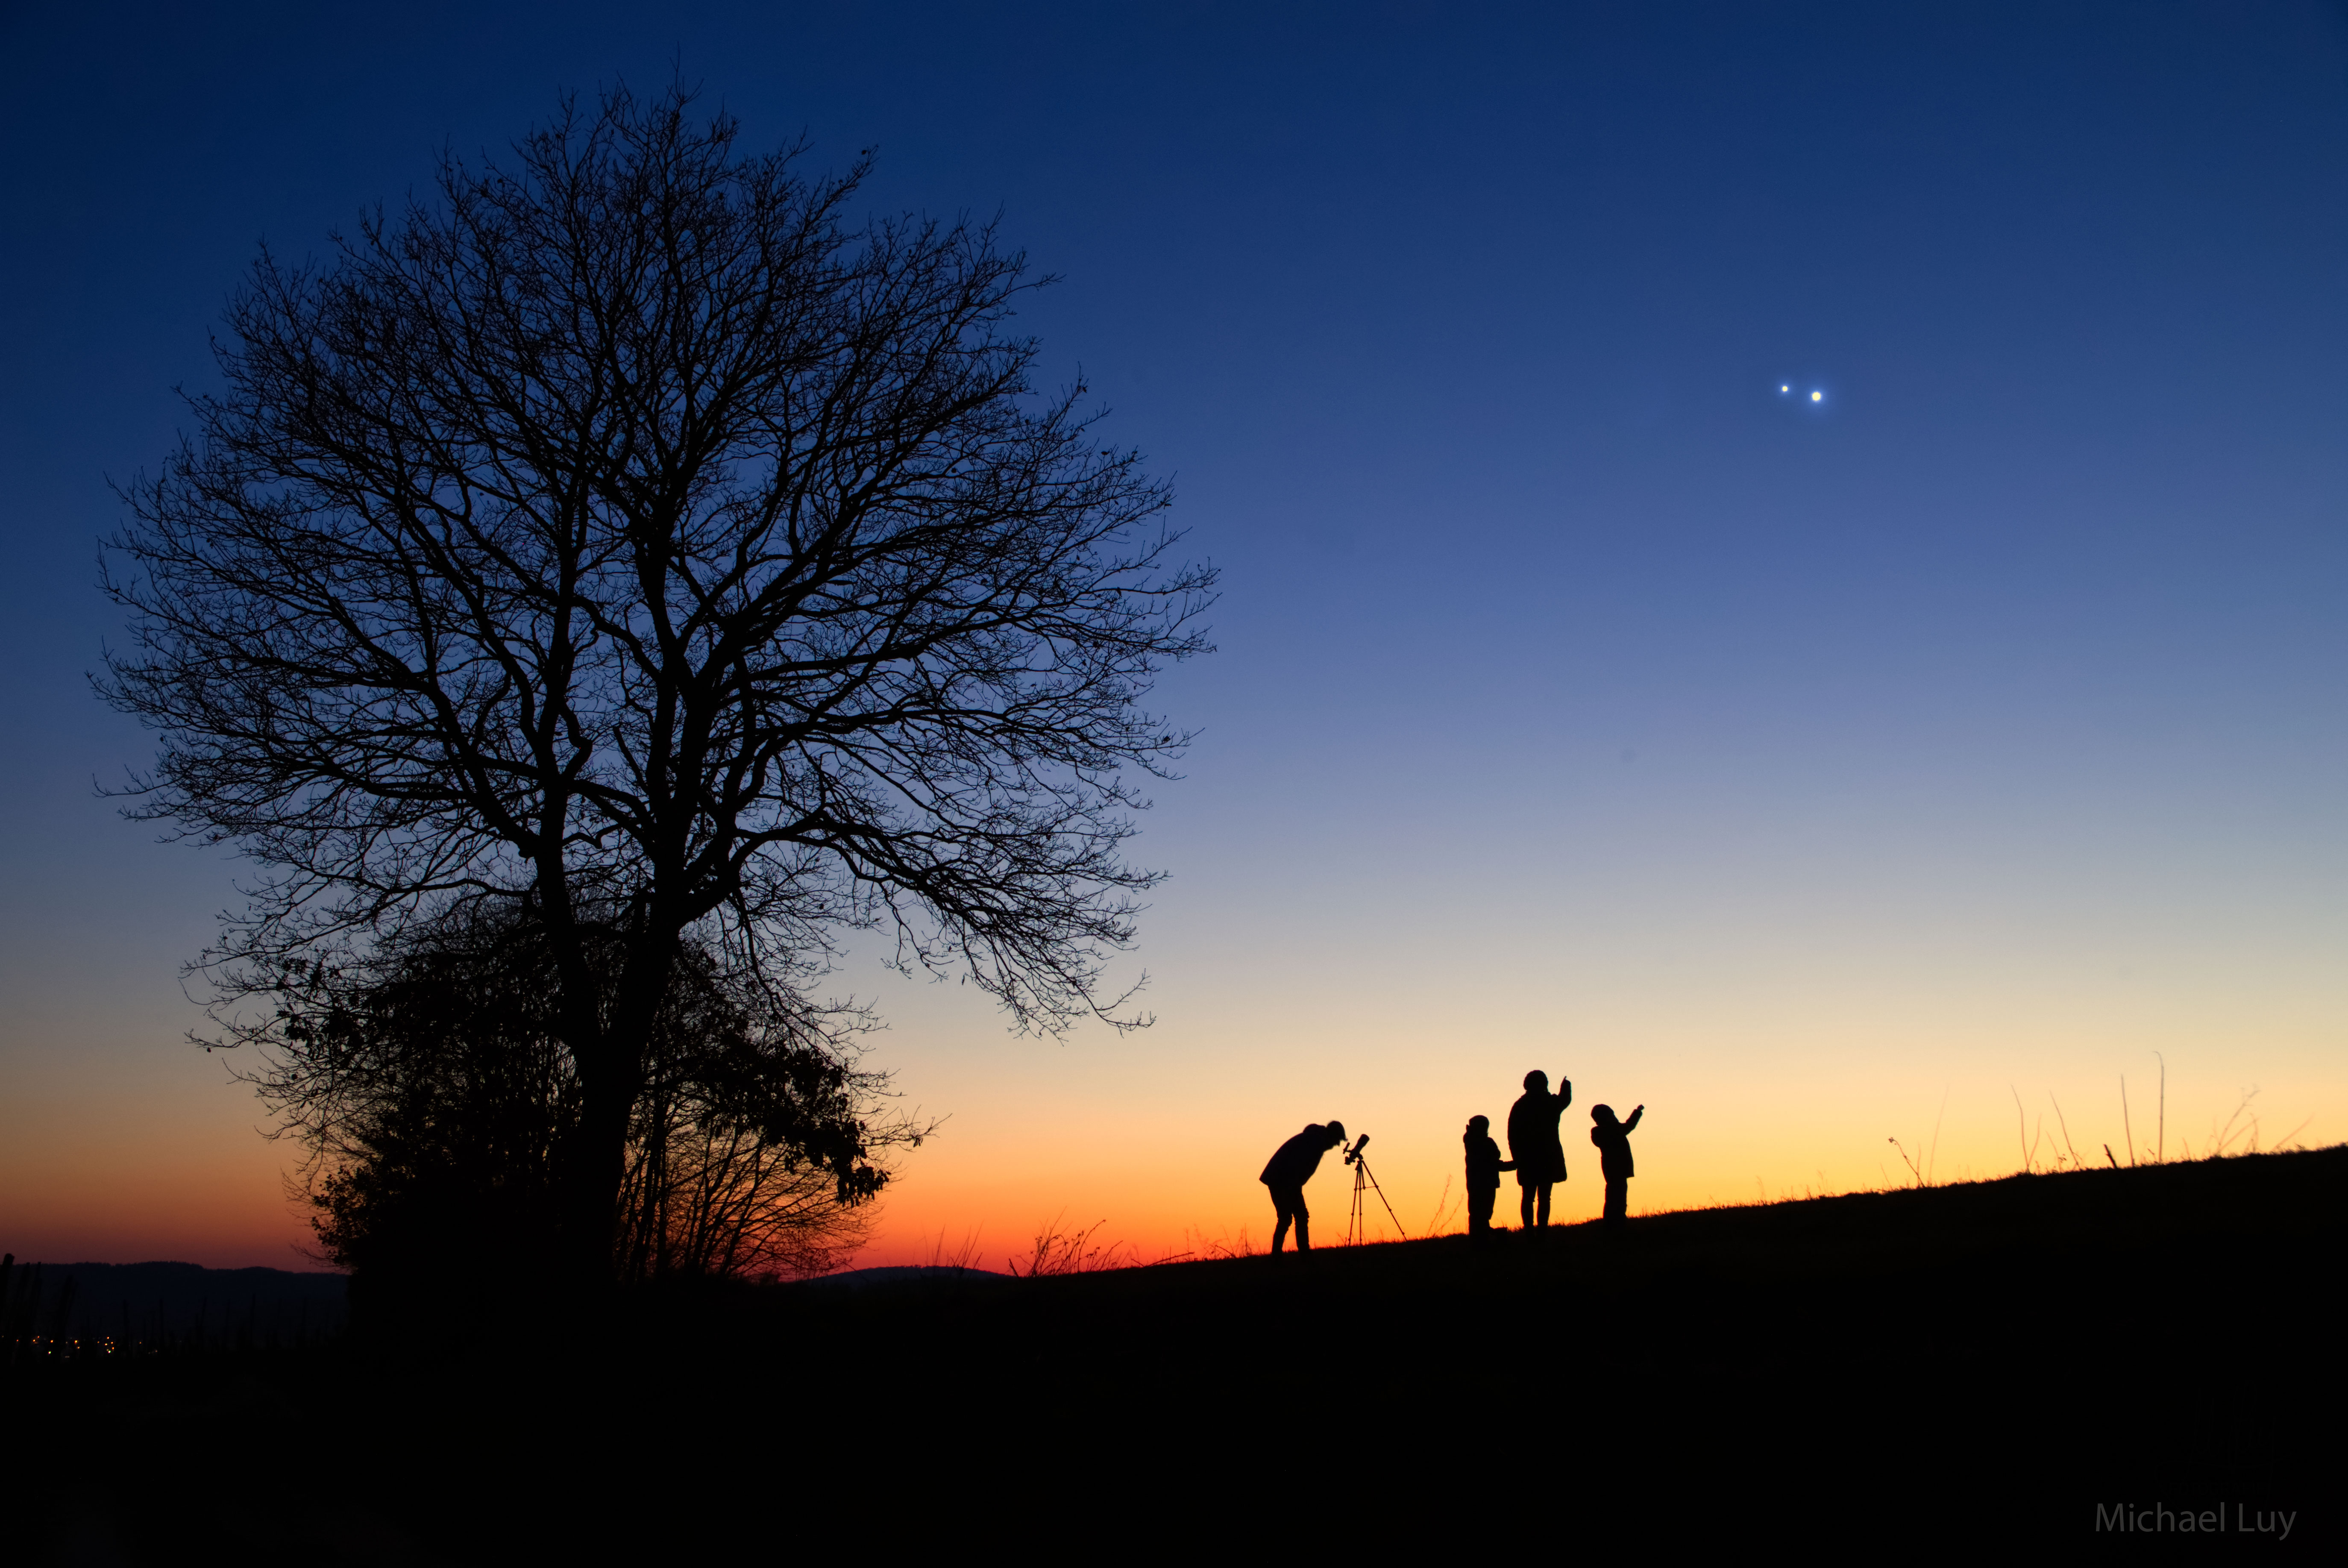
{"x": 611, "y": 1076}
{"x": 595, "y": 1168}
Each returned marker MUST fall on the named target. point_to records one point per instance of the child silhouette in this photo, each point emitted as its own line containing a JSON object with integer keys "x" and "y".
{"x": 1484, "y": 1168}
{"x": 1614, "y": 1140}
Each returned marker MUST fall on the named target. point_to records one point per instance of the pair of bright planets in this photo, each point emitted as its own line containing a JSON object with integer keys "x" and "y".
{"x": 1787, "y": 391}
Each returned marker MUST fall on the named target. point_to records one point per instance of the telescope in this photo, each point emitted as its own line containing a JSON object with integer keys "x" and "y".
{"x": 1357, "y": 1224}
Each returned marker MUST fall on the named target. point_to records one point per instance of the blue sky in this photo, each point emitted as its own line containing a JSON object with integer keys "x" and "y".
{"x": 1578, "y": 692}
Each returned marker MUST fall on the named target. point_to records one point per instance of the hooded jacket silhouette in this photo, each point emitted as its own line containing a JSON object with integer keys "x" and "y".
{"x": 1614, "y": 1140}
{"x": 1484, "y": 1168}
{"x": 1484, "y": 1161}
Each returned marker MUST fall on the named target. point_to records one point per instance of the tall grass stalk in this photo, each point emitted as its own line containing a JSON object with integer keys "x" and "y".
{"x": 2161, "y": 1151}
{"x": 1445, "y": 1209}
{"x": 2066, "y": 1126}
{"x": 963, "y": 1257}
{"x": 1933, "y": 1160}
{"x": 2029, "y": 1138}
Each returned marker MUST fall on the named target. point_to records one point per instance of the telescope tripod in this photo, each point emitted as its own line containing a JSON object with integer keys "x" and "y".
{"x": 1356, "y": 1224}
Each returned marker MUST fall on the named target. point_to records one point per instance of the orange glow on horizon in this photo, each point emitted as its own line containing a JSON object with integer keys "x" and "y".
{"x": 1157, "y": 1138}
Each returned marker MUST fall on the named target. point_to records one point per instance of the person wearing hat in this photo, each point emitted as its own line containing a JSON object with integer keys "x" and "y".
{"x": 1534, "y": 1144}
{"x": 1292, "y": 1166}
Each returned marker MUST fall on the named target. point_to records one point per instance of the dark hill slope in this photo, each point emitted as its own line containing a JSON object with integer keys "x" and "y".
{"x": 2022, "y": 1348}
{"x": 1968, "y": 1370}
{"x": 2021, "y": 1256}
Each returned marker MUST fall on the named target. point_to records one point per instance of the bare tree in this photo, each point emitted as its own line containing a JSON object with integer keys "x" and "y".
{"x": 626, "y": 531}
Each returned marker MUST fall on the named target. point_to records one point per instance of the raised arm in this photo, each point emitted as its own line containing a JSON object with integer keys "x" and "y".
{"x": 1636, "y": 1112}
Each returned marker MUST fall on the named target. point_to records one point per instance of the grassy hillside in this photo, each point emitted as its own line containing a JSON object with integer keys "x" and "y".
{"x": 1989, "y": 1361}
{"x": 2016, "y": 1350}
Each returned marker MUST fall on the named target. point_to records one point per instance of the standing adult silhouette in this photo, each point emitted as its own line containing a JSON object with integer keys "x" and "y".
{"x": 1534, "y": 1144}
{"x": 1292, "y": 1166}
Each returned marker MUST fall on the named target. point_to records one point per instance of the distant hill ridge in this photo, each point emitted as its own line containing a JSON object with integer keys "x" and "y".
{"x": 143, "y": 1302}
{"x": 898, "y": 1273}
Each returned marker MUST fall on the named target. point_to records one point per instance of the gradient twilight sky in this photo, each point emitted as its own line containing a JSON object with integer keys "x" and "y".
{"x": 1583, "y": 702}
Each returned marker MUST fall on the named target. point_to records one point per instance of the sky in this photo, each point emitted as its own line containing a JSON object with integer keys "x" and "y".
{"x": 1785, "y": 563}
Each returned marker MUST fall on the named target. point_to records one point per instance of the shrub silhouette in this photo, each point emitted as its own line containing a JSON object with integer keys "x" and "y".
{"x": 438, "y": 1100}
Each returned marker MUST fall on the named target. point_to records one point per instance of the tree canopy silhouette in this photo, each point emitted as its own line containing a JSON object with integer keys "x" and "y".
{"x": 628, "y": 534}
{"x": 429, "y": 1085}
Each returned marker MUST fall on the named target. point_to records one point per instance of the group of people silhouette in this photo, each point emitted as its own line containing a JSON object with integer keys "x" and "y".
{"x": 1537, "y": 1154}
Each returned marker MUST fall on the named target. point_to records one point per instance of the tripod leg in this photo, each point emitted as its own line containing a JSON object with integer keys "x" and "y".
{"x": 1365, "y": 1170}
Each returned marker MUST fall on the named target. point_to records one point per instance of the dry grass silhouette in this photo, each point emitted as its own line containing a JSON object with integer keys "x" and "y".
{"x": 1055, "y": 1251}
{"x": 2240, "y": 1133}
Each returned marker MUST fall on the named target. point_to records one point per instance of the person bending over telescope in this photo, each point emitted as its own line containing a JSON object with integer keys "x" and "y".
{"x": 1534, "y": 1144}
{"x": 1292, "y": 1166}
